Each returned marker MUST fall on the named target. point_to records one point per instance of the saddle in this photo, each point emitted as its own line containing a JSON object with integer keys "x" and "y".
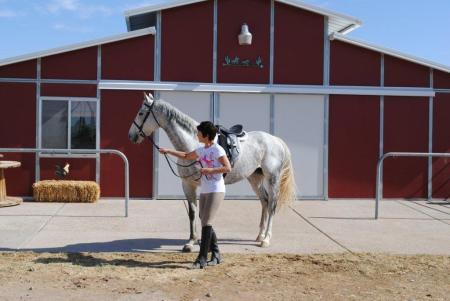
{"x": 229, "y": 140}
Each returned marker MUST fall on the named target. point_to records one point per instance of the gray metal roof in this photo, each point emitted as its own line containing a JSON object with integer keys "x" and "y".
{"x": 391, "y": 52}
{"x": 337, "y": 22}
{"x": 111, "y": 39}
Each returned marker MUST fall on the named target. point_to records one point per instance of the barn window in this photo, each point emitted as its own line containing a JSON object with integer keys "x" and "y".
{"x": 68, "y": 123}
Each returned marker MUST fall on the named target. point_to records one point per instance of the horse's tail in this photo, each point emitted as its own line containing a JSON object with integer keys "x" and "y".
{"x": 288, "y": 188}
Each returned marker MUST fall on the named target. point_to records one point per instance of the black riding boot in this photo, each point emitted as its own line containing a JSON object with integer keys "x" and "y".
{"x": 215, "y": 253}
{"x": 202, "y": 258}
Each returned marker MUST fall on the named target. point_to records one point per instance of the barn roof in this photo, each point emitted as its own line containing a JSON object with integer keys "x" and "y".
{"x": 337, "y": 22}
{"x": 72, "y": 47}
{"x": 391, "y": 52}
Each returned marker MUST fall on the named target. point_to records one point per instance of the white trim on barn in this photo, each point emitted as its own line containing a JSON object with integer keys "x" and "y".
{"x": 269, "y": 89}
{"x": 391, "y": 52}
{"x": 337, "y": 22}
{"x": 115, "y": 38}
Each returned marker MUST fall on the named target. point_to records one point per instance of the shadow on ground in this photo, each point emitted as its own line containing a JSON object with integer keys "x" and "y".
{"x": 128, "y": 245}
{"x": 87, "y": 260}
{"x": 124, "y": 245}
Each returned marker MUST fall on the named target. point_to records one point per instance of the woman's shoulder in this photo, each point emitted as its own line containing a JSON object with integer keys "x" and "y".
{"x": 218, "y": 148}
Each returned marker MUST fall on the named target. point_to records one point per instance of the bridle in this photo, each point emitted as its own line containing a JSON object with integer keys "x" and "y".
{"x": 141, "y": 127}
{"x": 142, "y": 134}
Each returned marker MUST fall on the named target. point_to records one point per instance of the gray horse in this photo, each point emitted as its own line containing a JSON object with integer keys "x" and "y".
{"x": 265, "y": 161}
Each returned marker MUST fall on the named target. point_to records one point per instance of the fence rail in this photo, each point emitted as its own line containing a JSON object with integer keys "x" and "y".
{"x": 80, "y": 151}
{"x": 379, "y": 182}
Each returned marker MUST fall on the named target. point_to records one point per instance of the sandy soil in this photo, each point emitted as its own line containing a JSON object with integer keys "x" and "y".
{"x": 156, "y": 276}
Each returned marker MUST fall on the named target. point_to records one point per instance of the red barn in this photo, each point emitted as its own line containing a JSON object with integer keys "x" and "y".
{"x": 339, "y": 103}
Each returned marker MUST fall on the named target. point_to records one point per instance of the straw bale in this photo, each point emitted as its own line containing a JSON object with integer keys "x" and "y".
{"x": 66, "y": 191}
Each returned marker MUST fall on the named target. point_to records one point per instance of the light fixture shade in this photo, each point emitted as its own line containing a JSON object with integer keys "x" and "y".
{"x": 245, "y": 38}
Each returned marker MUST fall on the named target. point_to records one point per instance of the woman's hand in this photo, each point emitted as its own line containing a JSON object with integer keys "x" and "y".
{"x": 207, "y": 171}
{"x": 163, "y": 150}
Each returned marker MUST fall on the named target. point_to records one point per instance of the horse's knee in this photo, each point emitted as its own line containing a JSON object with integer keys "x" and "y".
{"x": 191, "y": 214}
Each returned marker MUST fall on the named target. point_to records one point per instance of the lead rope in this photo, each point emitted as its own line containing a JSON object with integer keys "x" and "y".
{"x": 181, "y": 165}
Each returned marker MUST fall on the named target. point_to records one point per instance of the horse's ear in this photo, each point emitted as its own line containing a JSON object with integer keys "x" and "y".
{"x": 148, "y": 97}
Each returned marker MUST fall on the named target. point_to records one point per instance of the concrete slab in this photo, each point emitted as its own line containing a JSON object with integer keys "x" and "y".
{"x": 162, "y": 225}
{"x": 32, "y": 209}
{"x": 17, "y": 230}
{"x": 355, "y": 209}
{"x": 400, "y": 229}
{"x": 239, "y": 220}
{"x": 437, "y": 210}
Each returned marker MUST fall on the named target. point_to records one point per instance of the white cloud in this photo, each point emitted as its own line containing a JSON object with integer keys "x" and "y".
{"x": 68, "y": 28}
{"x": 7, "y": 13}
{"x": 76, "y": 7}
{"x": 60, "y": 5}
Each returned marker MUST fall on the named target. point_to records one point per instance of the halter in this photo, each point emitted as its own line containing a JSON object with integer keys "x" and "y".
{"x": 142, "y": 134}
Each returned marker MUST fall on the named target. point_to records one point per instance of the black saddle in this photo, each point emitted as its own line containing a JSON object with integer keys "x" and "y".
{"x": 234, "y": 130}
{"x": 229, "y": 140}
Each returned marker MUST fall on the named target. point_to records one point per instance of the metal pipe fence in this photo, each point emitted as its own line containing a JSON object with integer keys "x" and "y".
{"x": 84, "y": 152}
{"x": 379, "y": 182}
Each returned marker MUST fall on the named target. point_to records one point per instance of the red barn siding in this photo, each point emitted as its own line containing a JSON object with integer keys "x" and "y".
{"x": 231, "y": 15}
{"x": 187, "y": 43}
{"x": 25, "y": 69}
{"x": 441, "y": 80}
{"x": 119, "y": 109}
{"x": 401, "y": 73}
{"x": 441, "y": 144}
{"x": 353, "y": 146}
{"x": 299, "y": 35}
{"x": 351, "y": 65}
{"x": 130, "y": 59}
{"x": 79, "y": 169}
{"x": 78, "y": 64}
{"x": 18, "y": 130}
{"x": 405, "y": 130}
{"x": 72, "y": 90}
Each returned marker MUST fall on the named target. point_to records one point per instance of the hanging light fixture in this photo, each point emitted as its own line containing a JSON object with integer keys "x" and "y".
{"x": 245, "y": 37}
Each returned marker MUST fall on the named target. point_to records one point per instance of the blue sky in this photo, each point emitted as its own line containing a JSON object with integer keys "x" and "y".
{"x": 416, "y": 27}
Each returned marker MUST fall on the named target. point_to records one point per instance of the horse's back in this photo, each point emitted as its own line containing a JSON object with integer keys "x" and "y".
{"x": 258, "y": 149}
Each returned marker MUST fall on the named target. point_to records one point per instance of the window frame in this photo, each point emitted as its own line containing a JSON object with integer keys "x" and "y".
{"x": 69, "y": 101}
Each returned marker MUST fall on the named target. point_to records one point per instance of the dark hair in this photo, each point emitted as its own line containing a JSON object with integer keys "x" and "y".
{"x": 207, "y": 129}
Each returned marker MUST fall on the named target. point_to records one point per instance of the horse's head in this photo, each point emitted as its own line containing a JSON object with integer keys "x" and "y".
{"x": 144, "y": 123}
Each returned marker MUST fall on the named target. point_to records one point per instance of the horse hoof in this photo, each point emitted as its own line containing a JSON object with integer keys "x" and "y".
{"x": 265, "y": 244}
{"x": 260, "y": 238}
{"x": 188, "y": 248}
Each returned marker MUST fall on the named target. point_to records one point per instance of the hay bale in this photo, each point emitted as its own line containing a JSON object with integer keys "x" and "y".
{"x": 66, "y": 191}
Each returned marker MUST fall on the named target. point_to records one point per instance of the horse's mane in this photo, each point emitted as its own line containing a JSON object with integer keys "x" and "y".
{"x": 173, "y": 113}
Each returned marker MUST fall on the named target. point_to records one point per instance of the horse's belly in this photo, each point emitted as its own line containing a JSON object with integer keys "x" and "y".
{"x": 232, "y": 178}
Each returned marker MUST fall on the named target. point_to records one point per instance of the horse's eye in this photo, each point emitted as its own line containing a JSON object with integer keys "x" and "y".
{"x": 140, "y": 114}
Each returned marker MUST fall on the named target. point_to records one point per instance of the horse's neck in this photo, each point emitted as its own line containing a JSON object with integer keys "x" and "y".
{"x": 181, "y": 138}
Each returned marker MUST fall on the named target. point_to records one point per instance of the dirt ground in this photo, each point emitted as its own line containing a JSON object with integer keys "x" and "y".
{"x": 158, "y": 276}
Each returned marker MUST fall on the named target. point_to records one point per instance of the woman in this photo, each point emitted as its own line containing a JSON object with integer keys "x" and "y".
{"x": 214, "y": 164}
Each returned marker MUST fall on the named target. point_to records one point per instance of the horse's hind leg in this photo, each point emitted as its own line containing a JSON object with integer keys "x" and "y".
{"x": 273, "y": 189}
{"x": 190, "y": 191}
{"x": 256, "y": 181}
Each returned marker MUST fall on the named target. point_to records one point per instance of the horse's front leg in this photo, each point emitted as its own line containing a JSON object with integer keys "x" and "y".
{"x": 191, "y": 196}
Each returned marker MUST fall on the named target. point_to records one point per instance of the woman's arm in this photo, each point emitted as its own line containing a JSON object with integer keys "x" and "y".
{"x": 182, "y": 155}
{"x": 225, "y": 168}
